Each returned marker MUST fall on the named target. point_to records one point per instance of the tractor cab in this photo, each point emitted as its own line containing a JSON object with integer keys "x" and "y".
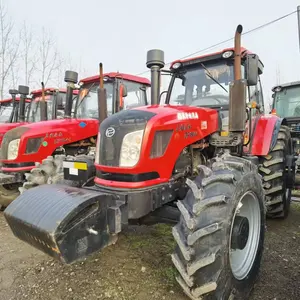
{"x": 204, "y": 82}
{"x": 123, "y": 91}
{"x": 286, "y": 104}
{"x": 286, "y": 100}
{"x": 9, "y": 109}
{"x": 55, "y": 103}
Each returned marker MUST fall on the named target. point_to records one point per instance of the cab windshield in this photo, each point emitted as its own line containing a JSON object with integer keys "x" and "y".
{"x": 5, "y": 113}
{"x": 7, "y": 109}
{"x": 35, "y": 113}
{"x": 287, "y": 102}
{"x": 87, "y": 104}
{"x": 198, "y": 86}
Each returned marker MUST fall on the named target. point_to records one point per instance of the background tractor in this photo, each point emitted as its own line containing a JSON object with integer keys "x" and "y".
{"x": 42, "y": 147}
{"x": 216, "y": 156}
{"x": 45, "y": 104}
{"x": 9, "y": 108}
{"x": 286, "y": 104}
{"x": 32, "y": 109}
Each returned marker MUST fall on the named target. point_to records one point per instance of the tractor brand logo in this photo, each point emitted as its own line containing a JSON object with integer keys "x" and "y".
{"x": 187, "y": 116}
{"x": 110, "y": 131}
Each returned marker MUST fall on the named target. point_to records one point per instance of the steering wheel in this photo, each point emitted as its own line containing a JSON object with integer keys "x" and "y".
{"x": 215, "y": 97}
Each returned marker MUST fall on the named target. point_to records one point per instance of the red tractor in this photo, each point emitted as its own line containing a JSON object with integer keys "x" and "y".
{"x": 44, "y": 105}
{"x": 16, "y": 115}
{"x": 9, "y": 109}
{"x": 14, "y": 110}
{"x": 216, "y": 155}
{"x": 42, "y": 147}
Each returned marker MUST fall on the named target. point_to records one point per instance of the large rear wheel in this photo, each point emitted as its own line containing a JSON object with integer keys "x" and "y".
{"x": 272, "y": 169}
{"x": 220, "y": 234}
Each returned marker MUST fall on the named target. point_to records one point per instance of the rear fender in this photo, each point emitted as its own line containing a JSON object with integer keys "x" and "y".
{"x": 265, "y": 133}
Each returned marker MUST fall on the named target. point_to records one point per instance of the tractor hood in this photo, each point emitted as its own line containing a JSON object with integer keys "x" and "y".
{"x": 131, "y": 132}
{"x": 175, "y": 113}
{"x": 5, "y": 127}
{"x": 63, "y": 125}
{"x": 162, "y": 115}
{"x": 39, "y": 140}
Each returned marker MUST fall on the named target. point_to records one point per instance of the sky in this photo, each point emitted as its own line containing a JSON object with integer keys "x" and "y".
{"x": 119, "y": 33}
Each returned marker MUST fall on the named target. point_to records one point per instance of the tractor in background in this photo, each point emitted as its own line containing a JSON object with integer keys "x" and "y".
{"x": 44, "y": 105}
{"x": 216, "y": 156}
{"x": 9, "y": 108}
{"x": 41, "y": 148}
{"x": 286, "y": 104}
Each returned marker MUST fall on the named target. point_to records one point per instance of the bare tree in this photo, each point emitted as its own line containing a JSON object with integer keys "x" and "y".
{"x": 60, "y": 72}
{"x": 29, "y": 53}
{"x": 9, "y": 49}
{"x": 48, "y": 58}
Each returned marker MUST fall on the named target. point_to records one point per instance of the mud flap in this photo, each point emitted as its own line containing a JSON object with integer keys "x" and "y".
{"x": 66, "y": 223}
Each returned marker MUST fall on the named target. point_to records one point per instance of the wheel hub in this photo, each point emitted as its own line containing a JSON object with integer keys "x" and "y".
{"x": 240, "y": 233}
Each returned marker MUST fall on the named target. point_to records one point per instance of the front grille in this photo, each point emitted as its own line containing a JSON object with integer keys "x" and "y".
{"x": 128, "y": 177}
{"x": 11, "y": 135}
{"x": 123, "y": 122}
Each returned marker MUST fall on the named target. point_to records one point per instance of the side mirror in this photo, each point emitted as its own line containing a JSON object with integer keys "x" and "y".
{"x": 123, "y": 93}
{"x": 273, "y": 96}
{"x": 252, "y": 69}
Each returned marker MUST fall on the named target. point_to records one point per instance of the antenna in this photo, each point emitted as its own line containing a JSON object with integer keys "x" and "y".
{"x": 298, "y": 17}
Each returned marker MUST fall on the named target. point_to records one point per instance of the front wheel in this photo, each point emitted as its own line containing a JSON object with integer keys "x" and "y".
{"x": 220, "y": 234}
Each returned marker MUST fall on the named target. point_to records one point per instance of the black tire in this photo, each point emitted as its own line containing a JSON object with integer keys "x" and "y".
{"x": 272, "y": 169}
{"x": 203, "y": 232}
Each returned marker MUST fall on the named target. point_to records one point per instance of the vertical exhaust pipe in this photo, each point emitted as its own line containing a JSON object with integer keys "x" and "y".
{"x": 102, "y": 102}
{"x": 155, "y": 62}
{"x": 54, "y": 105}
{"x": 43, "y": 105}
{"x": 237, "y": 91}
{"x": 71, "y": 79}
{"x": 23, "y": 91}
{"x": 13, "y": 94}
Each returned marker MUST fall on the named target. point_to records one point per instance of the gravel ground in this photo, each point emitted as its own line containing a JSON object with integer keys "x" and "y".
{"x": 138, "y": 267}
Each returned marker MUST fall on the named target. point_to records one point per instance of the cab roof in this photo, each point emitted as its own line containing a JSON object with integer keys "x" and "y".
{"x": 124, "y": 76}
{"x": 212, "y": 56}
{"x": 285, "y": 85}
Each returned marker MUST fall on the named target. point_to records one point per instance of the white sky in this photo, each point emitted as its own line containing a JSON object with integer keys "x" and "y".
{"x": 119, "y": 33}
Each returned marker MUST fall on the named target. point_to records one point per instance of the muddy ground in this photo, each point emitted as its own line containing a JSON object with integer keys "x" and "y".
{"x": 138, "y": 267}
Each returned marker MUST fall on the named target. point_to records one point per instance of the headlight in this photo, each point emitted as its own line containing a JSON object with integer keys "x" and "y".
{"x": 13, "y": 148}
{"x": 97, "y": 149}
{"x": 131, "y": 148}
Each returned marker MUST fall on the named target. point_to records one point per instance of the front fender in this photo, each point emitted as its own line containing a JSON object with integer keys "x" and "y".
{"x": 266, "y": 129}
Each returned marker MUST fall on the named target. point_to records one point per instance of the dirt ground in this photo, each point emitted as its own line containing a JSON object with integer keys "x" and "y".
{"x": 138, "y": 267}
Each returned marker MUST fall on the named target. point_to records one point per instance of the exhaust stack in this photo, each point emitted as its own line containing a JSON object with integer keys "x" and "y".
{"x": 71, "y": 79}
{"x": 102, "y": 101}
{"x": 43, "y": 106}
{"x": 13, "y": 94}
{"x": 155, "y": 62}
{"x": 23, "y": 91}
{"x": 237, "y": 91}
